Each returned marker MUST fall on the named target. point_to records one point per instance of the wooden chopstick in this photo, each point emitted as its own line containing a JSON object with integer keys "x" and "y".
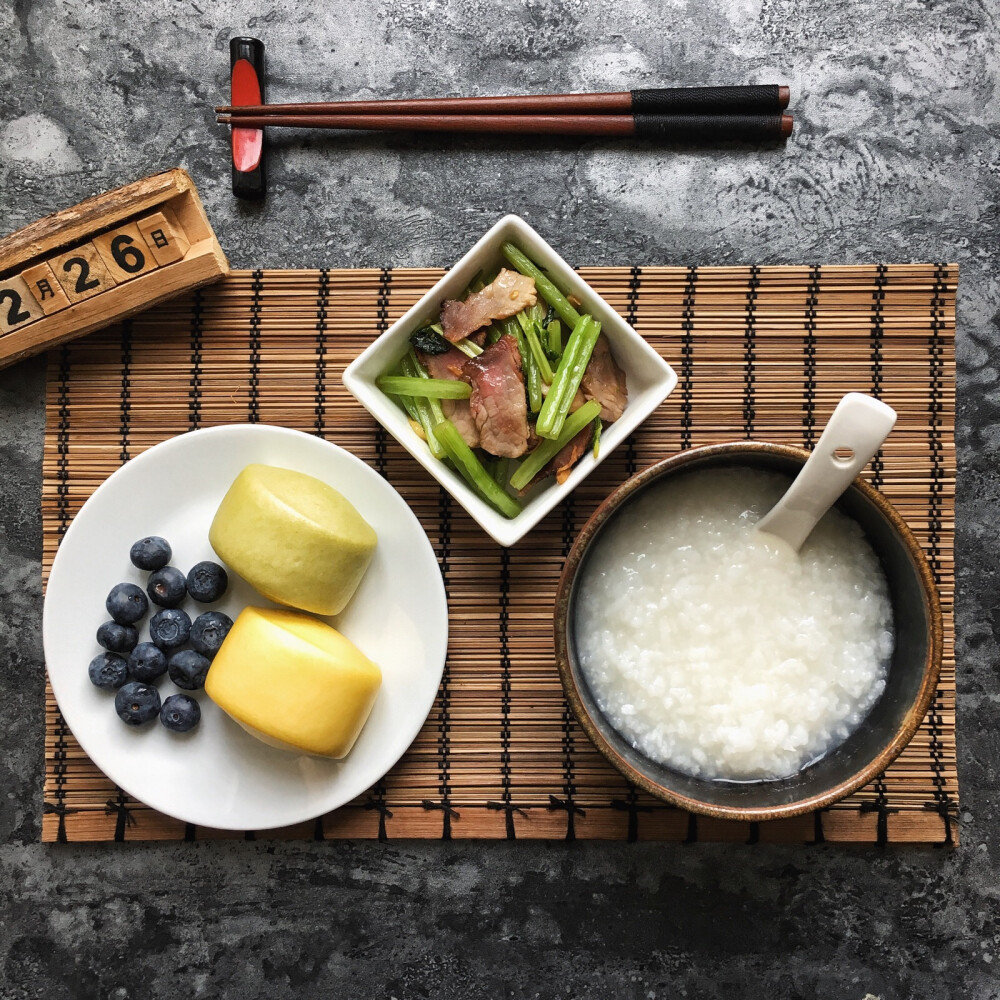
{"x": 669, "y": 127}
{"x": 752, "y": 99}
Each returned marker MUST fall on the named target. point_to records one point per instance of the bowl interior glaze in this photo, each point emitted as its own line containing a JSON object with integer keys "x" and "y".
{"x": 913, "y": 670}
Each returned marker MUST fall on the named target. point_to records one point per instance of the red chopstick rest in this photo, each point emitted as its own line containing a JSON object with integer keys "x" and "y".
{"x": 246, "y": 60}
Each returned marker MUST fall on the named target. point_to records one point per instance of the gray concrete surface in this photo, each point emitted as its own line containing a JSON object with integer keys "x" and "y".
{"x": 894, "y": 158}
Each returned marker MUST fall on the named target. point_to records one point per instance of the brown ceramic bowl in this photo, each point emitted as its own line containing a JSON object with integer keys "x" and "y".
{"x": 913, "y": 671}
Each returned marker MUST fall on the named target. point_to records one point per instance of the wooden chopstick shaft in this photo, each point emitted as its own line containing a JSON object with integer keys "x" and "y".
{"x": 543, "y": 124}
{"x": 757, "y": 99}
{"x": 680, "y": 127}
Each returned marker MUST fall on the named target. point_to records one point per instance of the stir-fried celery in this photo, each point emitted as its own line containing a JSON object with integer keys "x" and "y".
{"x": 432, "y": 388}
{"x": 547, "y": 450}
{"x": 428, "y": 410}
{"x": 468, "y": 347}
{"x": 529, "y": 328}
{"x": 472, "y": 471}
{"x": 554, "y": 334}
{"x": 550, "y": 360}
{"x": 568, "y": 376}
{"x": 546, "y": 289}
{"x": 532, "y": 377}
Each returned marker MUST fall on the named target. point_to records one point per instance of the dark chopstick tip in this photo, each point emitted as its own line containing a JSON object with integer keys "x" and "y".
{"x": 784, "y": 96}
{"x": 787, "y": 123}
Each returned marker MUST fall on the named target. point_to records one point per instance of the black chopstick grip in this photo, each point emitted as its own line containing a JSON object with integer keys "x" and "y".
{"x": 762, "y": 98}
{"x": 711, "y": 128}
{"x": 250, "y": 183}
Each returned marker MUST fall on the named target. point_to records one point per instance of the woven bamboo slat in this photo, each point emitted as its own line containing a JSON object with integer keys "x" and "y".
{"x": 761, "y": 352}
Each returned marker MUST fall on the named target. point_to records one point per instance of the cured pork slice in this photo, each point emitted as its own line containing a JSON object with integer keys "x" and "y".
{"x": 508, "y": 294}
{"x": 498, "y": 404}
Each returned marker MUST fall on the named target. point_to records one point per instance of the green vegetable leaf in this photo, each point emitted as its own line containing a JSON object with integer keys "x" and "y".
{"x": 429, "y": 341}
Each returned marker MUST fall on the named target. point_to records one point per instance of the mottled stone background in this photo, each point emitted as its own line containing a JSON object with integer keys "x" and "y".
{"x": 894, "y": 158}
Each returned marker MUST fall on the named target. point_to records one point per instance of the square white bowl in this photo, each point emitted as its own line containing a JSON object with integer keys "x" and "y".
{"x": 649, "y": 378}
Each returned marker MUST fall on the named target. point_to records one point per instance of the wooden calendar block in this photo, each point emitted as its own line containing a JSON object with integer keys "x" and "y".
{"x": 17, "y": 305}
{"x": 165, "y": 239}
{"x": 45, "y": 289}
{"x": 92, "y": 286}
{"x": 82, "y": 273}
{"x": 125, "y": 253}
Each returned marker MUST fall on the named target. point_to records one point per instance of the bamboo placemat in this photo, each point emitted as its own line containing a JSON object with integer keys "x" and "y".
{"x": 761, "y": 352}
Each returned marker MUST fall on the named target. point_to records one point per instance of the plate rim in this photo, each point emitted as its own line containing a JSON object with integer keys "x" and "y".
{"x": 179, "y": 440}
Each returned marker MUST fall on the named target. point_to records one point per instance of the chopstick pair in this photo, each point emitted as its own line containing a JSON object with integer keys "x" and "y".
{"x": 679, "y": 113}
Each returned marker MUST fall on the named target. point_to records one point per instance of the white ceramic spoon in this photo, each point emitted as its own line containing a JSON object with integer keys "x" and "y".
{"x": 855, "y": 432}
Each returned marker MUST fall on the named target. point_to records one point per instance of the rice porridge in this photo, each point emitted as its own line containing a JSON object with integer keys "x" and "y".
{"x": 719, "y": 654}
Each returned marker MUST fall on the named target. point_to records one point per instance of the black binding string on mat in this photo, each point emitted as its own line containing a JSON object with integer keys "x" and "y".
{"x": 877, "y": 338}
{"x": 883, "y": 811}
{"x": 941, "y": 803}
{"x": 195, "y": 342}
{"x": 62, "y": 509}
{"x": 120, "y": 804}
{"x": 568, "y": 801}
{"x": 631, "y": 317}
{"x": 62, "y": 811}
{"x": 631, "y": 805}
{"x": 194, "y": 385}
{"x": 505, "y": 692}
{"x": 122, "y": 811}
{"x": 687, "y": 357}
{"x": 322, "y": 302}
{"x": 444, "y": 693}
{"x": 125, "y": 407}
{"x": 62, "y": 448}
{"x": 381, "y": 325}
{"x": 253, "y": 403}
{"x": 377, "y": 799}
{"x": 377, "y": 802}
{"x": 750, "y": 352}
{"x": 818, "y": 836}
{"x": 809, "y": 360}
{"x": 691, "y": 837}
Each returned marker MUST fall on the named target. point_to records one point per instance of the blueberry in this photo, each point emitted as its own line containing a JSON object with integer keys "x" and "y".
{"x": 207, "y": 582}
{"x": 150, "y": 553}
{"x": 137, "y": 703}
{"x": 170, "y": 628}
{"x": 147, "y": 663}
{"x": 126, "y": 603}
{"x": 180, "y": 713}
{"x": 166, "y": 587}
{"x": 117, "y": 638}
{"x": 209, "y": 630}
{"x": 188, "y": 669}
{"x": 108, "y": 670}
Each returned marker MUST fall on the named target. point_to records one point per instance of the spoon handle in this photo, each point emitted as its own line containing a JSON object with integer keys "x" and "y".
{"x": 855, "y": 432}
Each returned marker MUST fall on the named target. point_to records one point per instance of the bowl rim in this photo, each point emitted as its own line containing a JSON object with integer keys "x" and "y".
{"x": 911, "y": 721}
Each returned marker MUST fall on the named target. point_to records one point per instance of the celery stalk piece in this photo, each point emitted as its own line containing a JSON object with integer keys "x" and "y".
{"x": 417, "y": 370}
{"x": 554, "y": 332}
{"x": 532, "y": 377}
{"x": 544, "y": 285}
{"x": 548, "y": 450}
{"x": 405, "y": 403}
{"x": 569, "y": 374}
{"x": 426, "y": 415}
{"x": 528, "y": 327}
{"x": 472, "y": 471}
{"x": 468, "y": 347}
{"x": 597, "y": 436}
{"x": 436, "y": 388}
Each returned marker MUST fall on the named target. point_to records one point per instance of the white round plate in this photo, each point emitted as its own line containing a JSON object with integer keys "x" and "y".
{"x": 218, "y": 775}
